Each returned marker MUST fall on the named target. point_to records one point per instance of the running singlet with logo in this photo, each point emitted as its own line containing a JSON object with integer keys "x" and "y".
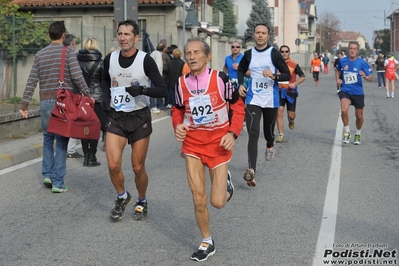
{"x": 351, "y": 79}
{"x": 204, "y": 107}
{"x": 292, "y": 65}
{"x": 316, "y": 64}
{"x": 121, "y": 100}
{"x": 390, "y": 70}
{"x": 262, "y": 91}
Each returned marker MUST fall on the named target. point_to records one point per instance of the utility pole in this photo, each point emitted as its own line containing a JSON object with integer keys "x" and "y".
{"x": 125, "y": 9}
{"x": 320, "y": 39}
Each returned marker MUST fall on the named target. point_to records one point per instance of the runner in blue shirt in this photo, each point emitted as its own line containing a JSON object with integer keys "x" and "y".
{"x": 353, "y": 69}
{"x": 231, "y": 63}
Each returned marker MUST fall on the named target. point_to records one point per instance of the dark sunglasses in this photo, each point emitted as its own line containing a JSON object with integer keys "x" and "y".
{"x": 234, "y": 46}
{"x": 284, "y": 52}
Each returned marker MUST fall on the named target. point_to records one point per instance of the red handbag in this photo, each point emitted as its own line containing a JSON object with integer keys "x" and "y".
{"x": 73, "y": 114}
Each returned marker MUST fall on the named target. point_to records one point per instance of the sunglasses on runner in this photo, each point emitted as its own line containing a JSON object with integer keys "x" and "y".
{"x": 234, "y": 46}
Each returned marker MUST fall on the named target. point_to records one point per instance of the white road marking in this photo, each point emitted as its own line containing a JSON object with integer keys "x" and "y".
{"x": 327, "y": 228}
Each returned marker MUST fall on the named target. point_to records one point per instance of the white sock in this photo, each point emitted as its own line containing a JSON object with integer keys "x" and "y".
{"x": 346, "y": 129}
{"x": 358, "y": 131}
{"x": 207, "y": 240}
{"x": 123, "y": 195}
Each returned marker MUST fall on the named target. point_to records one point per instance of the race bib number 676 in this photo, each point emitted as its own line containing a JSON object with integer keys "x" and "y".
{"x": 122, "y": 100}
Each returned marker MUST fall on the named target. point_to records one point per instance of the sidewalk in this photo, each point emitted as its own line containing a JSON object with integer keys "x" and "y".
{"x": 16, "y": 151}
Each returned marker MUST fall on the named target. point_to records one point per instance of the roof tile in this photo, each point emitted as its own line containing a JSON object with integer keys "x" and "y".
{"x": 41, "y": 3}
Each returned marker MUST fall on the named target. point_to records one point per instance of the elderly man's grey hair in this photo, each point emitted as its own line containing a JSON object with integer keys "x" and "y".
{"x": 207, "y": 48}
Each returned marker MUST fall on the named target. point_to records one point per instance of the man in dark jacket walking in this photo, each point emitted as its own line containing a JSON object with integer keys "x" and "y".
{"x": 380, "y": 63}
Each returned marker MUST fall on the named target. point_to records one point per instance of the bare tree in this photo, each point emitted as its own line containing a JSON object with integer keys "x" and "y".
{"x": 328, "y": 31}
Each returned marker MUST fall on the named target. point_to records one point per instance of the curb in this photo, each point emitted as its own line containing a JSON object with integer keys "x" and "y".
{"x": 31, "y": 152}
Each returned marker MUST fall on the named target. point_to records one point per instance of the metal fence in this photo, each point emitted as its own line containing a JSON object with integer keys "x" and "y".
{"x": 14, "y": 70}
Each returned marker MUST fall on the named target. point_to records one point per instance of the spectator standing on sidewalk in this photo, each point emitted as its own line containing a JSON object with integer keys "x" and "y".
{"x": 325, "y": 60}
{"x": 208, "y": 138}
{"x": 156, "y": 104}
{"x": 46, "y": 60}
{"x": 127, "y": 76}
{"x": 70, "y": 40}
{"x": 90, "y": 62}
{"x": 175, "y": 68}
{"x": 380, "y": 63}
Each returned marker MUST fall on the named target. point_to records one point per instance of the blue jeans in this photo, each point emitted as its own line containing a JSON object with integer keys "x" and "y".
{"x": 157, "y": 102}
{"x": 53, "y": 164}
{"x": 381, "y": 76}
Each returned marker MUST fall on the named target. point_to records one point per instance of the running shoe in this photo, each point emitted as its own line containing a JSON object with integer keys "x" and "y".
{"x": 59, "y": 190}
{"x": 75, "y": 155}
{"x": 204, "y": 251}
{"x": 47, "y": 182}
{"x": 280, "y": 138}
{"x": 230, "y": 187}
{"x": 155, "y": 110}
{"x": 291, "y": 124}
{"x": 249, "y": 176}
{"x": 357, "y": 139}
{"x": 269, "y": 154}
{"x": 120, "y": 205}
{"x": 140, "y": 211}
{"x": 346, "y": 137}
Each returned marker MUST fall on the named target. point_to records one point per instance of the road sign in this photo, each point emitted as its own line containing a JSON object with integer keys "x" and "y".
{"x": 125, "y": 9}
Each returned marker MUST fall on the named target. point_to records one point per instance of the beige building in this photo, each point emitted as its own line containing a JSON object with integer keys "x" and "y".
{"x": 344, "y": 37}
{"x": 294, "y": 22}
{"x": 162, "y": 19}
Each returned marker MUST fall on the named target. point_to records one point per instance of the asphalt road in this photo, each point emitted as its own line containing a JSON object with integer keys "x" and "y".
{"x": 318, "y": 199}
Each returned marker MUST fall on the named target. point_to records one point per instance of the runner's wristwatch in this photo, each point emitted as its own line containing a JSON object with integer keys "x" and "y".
{"x": 233, "y": 134}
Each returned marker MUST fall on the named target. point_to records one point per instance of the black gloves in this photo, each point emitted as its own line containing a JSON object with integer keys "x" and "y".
{"x": 105, "y": 105}
{"x": 135, "y": 90}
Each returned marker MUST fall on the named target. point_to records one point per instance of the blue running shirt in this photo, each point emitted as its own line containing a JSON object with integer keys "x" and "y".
{"x": 351, "y": 79}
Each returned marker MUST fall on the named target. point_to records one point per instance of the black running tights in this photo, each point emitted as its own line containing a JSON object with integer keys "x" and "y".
{"x": 253, "y": 116}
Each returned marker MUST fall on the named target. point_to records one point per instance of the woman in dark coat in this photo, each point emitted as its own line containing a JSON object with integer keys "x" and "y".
{"x": 175, "y": 71}
{"x": 90, "y": 62}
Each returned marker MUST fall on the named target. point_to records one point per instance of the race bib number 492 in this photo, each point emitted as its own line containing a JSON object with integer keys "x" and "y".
{"x": 201, "y": 110}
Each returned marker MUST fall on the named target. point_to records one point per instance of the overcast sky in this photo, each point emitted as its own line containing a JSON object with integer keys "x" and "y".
{"x": 362, "y": 16}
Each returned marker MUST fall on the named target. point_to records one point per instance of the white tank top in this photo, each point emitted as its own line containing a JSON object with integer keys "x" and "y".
{"x": 124, "y": 77}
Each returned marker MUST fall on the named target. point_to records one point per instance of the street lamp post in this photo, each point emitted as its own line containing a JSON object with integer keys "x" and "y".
{"x": 320, "y": 39}
{"x": 372, "y": 34}
{"x": 185, "y": 8}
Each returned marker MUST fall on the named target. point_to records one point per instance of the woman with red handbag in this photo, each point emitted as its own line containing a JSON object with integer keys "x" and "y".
{"x": 90, "y": 61}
